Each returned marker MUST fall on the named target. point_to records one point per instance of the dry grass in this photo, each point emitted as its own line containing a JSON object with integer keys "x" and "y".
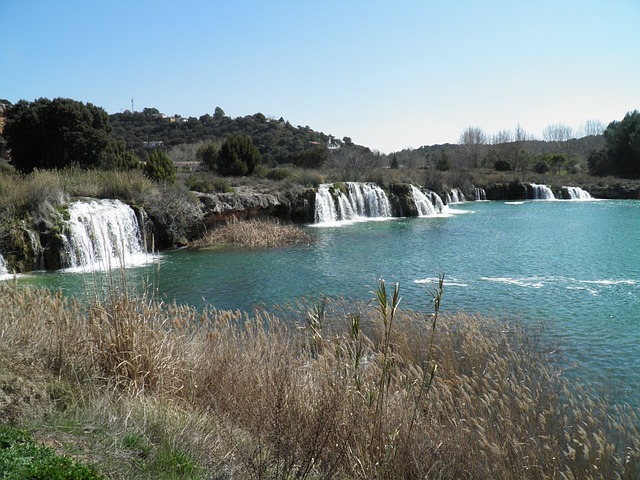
{"x": 318, "y": 391}
{"x": 254, "y": 234}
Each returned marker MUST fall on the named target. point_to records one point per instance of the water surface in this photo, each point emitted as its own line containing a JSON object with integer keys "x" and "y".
{"x": 573, "y": 265}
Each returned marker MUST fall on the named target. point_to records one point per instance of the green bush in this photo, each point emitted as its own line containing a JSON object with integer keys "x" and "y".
{"x": 278, "y": 174}
{"x": 160, "y": 168}
{"x": 206, "y": 184}
{"x": 238, "y": 157}
{"x": 502, "y": 166}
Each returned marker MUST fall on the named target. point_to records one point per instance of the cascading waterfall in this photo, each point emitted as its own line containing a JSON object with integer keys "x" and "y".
{"x": 577, "y": 193}
{"x": 103, "y": 234}
{"x": 480, "y": 194}
{"x": 325, "y": 211}
{"x": 423, "y": 203}
{"x": 437, "y": 202}
{"x": 4, "y": 271}
{"x": 457, "y": 196}
{"x": 541, "y": 192}
{"x": 368, "y": 200}
{"x": 363, "y": 200}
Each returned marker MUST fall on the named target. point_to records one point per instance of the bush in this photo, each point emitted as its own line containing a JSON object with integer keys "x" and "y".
{"x": 540, "y": 167}
{"x": 238, "y": 157}
{"x": 278, "y": 174}
{"x": 502, "y": 166}
{"x": 160, "y": 168}
{"x": 208, "y": 155}
{"x": 207, "y": 184}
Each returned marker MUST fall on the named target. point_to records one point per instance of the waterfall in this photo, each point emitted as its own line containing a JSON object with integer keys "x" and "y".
{"x": 541, "y": 192}
{"x": 368, "y": 200}
{"x": 437, "y": 202}
{"x": 37, "y": 251}
{"x": 423, "y": 203}
{"x": 4, "y": 271}
{"x": 480, "y": 194}
{"x": 325, "y": 211}
{"x": 457, "y": 196}
{"x": 362, "y": 200}
{"x": 102, "y": 234}
{"x": 576, "y": 193}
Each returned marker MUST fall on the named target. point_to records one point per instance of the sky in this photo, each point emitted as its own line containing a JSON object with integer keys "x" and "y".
{"x": 389, "y": 74}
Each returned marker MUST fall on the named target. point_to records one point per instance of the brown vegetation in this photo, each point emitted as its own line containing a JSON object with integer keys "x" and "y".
{"x": 319, "y": 390}
{"x": 254, "y": 234}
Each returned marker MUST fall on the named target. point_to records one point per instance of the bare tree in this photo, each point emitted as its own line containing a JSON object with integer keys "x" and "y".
{"x": 557, "y": 132}
{"x": 472, "y": 140}
{"x": 590, "y": 127}
{"x": 503, "y": 136}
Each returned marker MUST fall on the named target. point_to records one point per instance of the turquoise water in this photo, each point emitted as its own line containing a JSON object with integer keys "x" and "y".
{"x": 573, "y": 265}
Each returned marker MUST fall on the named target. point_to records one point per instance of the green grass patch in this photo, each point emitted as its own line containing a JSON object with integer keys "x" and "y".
{"x": 22, "y": 457}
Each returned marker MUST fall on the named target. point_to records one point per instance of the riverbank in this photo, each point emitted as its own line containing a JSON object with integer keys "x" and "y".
{"x": 142, "y": 389}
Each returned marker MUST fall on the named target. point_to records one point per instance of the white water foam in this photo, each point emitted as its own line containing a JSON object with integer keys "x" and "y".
{"x": 447, "y": 283}
{"x": 530, "y": 282}
{"x": 609, "y": 282}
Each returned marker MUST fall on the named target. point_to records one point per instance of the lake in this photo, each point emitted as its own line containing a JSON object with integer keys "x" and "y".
{"x": 574, "y": 265}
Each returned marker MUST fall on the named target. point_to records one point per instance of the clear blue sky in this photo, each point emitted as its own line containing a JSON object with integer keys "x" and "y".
{"x": 390, "y": 75}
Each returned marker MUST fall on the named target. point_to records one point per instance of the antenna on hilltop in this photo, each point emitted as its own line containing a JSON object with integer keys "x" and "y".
{"x": 132, "y": 110}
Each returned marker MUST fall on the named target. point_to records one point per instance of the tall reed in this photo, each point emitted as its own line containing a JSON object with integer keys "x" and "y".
{"x": 252, "y": 395}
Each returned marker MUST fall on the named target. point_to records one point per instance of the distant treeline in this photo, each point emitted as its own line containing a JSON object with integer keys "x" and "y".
{"x": 53, "y": 134}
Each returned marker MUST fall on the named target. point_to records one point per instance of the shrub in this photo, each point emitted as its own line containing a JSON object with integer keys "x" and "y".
{"x": 160, "y": 168}
{"x": 208, "y": 155}
{"x": 238, "y": 157}
{"x": 502, "y": 166}
{"x": 207, "y": 184}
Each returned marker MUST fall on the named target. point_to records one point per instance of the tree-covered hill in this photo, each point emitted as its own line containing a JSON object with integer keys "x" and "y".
{"x": 277, "y": 140}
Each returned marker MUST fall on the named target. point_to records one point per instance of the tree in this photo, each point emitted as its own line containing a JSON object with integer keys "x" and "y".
{"x": 208, "y": 155}
{"x": 150, "y": 111}
{"x": 591, "y": 128}
{"x": 444, "y": 163}
{"x": 53, "y": 134}
{"x": 557, "y": 132}
{"x": 472, "y": 140}
{"x": 218, "y": 114}
{"x": 238, "y": 156}
{"x": 621, "y": 156}
{"x": 311, "y": 157}
{"x": 160, "y": 168}
{"x": 623, "y": 145}
{"x": 117, "y": 157}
